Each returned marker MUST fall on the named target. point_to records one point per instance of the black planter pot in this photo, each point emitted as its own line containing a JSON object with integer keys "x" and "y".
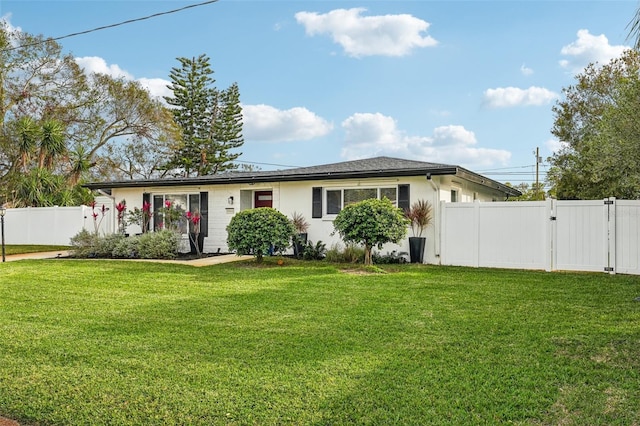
{"x": 416, "y": 249}
{"x": 299, "y": 244}
{"x": 192, "y": 241}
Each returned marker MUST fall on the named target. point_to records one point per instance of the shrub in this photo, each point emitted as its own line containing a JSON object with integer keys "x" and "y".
{"x": 314, "y": 252}
{"x": 258, "y": 231}
{"x": 390, "y": 258}
{"x": 162, "y": 244}
{"x": 353, "y": 254}
{"x": 371, "y": 223}
{"x": 420, "y": 215}
{"x": 104, "y": 246}
{"x": 349, "y": 254}
{"x": 299, "y": 222}
{"x": 334, "y": 254}
{"x": 83, "y": 244}
{"x": 127, "y": 248}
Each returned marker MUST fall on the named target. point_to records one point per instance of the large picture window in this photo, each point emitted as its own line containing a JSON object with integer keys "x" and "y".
{"x": 337, "y": 199}
{"x": 180, "y": 202}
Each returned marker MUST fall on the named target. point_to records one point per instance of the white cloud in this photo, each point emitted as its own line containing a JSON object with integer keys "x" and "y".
{"x": 6, "y": 21}
{"x": 555, "y": 145}
{"x": 369, "y": 135}
{"x": 386, "y": 35}
{"x": 156, "y": 86}
{"x": 588, "y": 49}
{"x": 525, "y": 70}
{"x": 95, "y": 64}
{"x": 504, "y": 97}
{"x": 266, "y": 123}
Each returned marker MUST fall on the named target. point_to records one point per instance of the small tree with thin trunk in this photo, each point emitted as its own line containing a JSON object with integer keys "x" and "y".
{"x": 256, "y": 231}
{"x": 371, "y": 223}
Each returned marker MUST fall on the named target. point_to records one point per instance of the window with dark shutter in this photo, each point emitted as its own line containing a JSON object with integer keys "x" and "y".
{"x": 316, "y": 205}
{"x": 204, "y": 214}
{"x": 404, "y": 201}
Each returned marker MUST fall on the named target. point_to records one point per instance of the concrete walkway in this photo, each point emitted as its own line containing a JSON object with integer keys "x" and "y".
{"x": 205, "y": 261}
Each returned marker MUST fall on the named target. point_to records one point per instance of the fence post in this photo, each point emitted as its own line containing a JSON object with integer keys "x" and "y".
{"x": 549, "y": 234}
{"x": 442, "y": 236}
{"x": 611, "y": 235}
{"x": 476, "y": 233}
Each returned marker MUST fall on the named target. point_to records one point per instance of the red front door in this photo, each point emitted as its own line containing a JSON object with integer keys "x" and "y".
{"x": 263, "y": 199}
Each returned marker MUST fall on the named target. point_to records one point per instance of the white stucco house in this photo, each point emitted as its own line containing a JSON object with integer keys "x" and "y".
{"x": 317, "y": 192}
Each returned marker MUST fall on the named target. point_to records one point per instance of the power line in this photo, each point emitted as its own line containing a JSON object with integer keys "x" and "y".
{"x": 506, "y": 168}
{"x": 130, "y": 21}
{"x": 266, "y": 164}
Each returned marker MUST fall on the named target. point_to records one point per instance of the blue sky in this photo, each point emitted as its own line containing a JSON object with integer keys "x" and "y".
{"x": 470, "y": 83}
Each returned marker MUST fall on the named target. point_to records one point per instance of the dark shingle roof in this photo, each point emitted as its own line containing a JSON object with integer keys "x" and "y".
{"x": 371, "y": 167}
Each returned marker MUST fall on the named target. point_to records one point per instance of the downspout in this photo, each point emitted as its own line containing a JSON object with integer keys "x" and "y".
{"x": 436, "y": 223}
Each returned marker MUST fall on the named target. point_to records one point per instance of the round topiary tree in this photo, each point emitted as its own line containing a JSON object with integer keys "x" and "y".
{"x": 371, "y": 223}
{"x": 255, "y": 231}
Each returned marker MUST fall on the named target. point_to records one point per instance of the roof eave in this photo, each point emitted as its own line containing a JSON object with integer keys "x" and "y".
{"x": 285, "y": 177}
{"x": 220, "y": 179}
{"x": 490, "y": 183}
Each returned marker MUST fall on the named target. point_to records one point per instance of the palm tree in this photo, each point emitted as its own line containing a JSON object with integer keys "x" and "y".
{"x": 634, "y": 29}
{"x": 28, "y": 133}
{"x": 80, "y": 164}
{"x": 52, "y": 143}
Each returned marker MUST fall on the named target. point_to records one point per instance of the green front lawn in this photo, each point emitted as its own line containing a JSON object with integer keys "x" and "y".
{"x": 21, "y": 249}
{"x": 110, "y": 342}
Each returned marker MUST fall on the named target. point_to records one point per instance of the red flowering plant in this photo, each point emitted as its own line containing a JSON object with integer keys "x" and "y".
{"x": 194, "y": 223}
{"x": 141, "y": 217}
{"x": 172, "y": 216}
{"x": 121, "y": 207}
{"x": 95, "y": 214}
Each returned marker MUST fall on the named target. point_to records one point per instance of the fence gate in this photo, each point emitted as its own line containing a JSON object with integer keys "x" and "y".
{"x": 581, "y": 235}
{"x": 592, "y": 235}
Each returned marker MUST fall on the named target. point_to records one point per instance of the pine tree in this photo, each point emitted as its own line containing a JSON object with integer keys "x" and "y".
{"x": 210, "y": 119}
{"x": 227, "y": 130}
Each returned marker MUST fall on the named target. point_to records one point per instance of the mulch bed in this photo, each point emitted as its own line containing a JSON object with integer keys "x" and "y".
{"x": 8, "y": 422}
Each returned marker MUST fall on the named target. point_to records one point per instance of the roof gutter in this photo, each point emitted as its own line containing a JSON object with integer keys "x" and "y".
{"x": 293, "y": 177}
{"x": 275, "y": 177}
{"x": 473, "y": 177}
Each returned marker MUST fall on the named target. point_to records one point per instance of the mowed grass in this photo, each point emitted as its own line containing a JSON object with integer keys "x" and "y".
{"x": 129, "y": 343}
{"x": 22, "y": 249}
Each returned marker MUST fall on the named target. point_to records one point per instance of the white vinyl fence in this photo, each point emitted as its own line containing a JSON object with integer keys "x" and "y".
{"x": 56, "y": 225}
{"x": 600, "y": 235}
{"x": 595, "y": 235}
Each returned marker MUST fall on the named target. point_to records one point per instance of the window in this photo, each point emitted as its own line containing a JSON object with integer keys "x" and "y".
{"x": 180, "y": 202}
{"x": 352, "y": 196}
{"x": 390, "y": 193}
{"x": 337, "y": 199}
{"x": 454, "y": 195}
{"x": 334, "y": 201}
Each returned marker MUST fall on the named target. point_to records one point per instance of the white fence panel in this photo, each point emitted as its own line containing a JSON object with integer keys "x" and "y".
{"x": 581, "y": 236}
{"x": 54, "y": 225}
{"x": 500, "y": 234}
{"x": 459, "y": 234}
{"x": 513, "y": 235}
{"x": 627, "y": 233}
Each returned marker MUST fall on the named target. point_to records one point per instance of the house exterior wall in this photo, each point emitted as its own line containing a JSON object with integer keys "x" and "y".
{"x": 290, "y": 197}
